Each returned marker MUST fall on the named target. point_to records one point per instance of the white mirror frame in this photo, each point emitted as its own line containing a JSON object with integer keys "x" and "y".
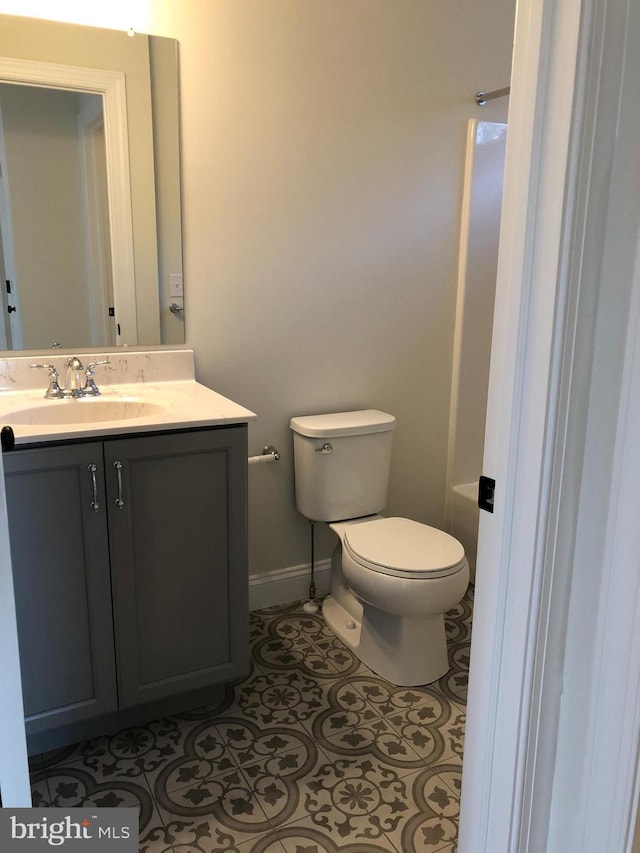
{"x": 111, "y": 85}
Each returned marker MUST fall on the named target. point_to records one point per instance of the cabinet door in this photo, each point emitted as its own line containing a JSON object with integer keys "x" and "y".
{"x": 60, "y": 558}
{"x": 177, "y": 528}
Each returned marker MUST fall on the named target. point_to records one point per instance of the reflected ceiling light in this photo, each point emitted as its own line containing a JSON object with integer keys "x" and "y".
{"x": 125, "y": 15}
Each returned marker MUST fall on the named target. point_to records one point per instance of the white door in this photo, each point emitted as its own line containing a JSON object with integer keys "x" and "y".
{"x": 103, "y": 311}
{"x": 553, "y": 716}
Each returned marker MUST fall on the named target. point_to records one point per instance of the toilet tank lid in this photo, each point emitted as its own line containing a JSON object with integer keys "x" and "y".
{"x": 343, "y": 423}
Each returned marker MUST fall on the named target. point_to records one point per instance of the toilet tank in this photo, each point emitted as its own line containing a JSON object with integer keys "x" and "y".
{"x": 342, "y": 463}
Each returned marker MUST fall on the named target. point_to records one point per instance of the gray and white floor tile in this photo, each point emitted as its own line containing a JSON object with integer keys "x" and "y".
{"x": 311, "y": 753}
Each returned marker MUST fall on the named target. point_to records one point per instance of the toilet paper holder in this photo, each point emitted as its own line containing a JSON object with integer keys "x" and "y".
{"x": 269, "y": 454}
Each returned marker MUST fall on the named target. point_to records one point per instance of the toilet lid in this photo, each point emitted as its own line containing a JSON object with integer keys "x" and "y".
{"x": 399, "y": 546}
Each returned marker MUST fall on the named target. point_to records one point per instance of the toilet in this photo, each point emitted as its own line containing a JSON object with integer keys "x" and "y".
{"x": 392, "y": 579}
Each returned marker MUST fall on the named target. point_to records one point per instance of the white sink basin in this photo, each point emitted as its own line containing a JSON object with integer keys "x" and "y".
{"x": 83, "y": 411}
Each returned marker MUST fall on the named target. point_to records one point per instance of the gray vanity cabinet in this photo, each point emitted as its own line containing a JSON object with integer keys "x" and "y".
{"x": 60, "y": 558}
{"x": 137, "y": 591}
{"x": 177, "y": 529}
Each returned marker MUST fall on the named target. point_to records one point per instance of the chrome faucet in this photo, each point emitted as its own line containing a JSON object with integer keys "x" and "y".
{"x": 74, "y": 383}
{"x": 78, "y": 382}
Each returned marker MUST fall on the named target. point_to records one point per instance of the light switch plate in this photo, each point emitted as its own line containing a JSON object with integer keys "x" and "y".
{"x": 175, "y": 285}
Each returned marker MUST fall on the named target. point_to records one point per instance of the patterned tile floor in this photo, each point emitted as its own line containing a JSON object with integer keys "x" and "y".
{"x": 311, "y": 753}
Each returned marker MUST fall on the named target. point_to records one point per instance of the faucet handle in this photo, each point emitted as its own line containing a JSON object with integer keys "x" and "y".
{"x": 93, "y": 364}
{"x": 90, "y": 387}
{"x": 54, "y": 391}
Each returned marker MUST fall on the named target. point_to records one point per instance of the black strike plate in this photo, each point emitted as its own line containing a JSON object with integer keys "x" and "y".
{"x": 486, "y": 491}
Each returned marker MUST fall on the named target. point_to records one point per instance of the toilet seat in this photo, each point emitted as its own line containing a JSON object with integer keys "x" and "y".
{"x": 404, "y": 548}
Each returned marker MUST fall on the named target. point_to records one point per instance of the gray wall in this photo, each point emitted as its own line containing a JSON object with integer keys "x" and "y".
{"x": 322, "y": 155}
{"x": 323, "y": 150}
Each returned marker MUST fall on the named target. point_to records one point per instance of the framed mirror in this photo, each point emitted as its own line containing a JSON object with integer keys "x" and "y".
{"x": 90, "y": 225}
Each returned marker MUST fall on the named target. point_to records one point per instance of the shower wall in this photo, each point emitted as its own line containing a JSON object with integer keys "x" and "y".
{"x": 478, "y": 260}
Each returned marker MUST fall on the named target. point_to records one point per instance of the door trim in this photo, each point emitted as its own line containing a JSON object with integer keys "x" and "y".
{"x": 531, "y": 774}
{"x": 111, "y": 85}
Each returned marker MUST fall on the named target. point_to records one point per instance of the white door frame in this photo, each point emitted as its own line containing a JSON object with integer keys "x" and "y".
{"x": 111, "y": 85}
{"x": 11, "y": 325}
{"x": 552, "y": 666}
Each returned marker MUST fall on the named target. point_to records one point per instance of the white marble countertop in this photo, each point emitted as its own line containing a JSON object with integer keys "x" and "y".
{"x": 143, "y": 392}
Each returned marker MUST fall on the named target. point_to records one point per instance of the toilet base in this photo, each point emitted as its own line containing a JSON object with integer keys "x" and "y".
{"x": 405, "y": 651}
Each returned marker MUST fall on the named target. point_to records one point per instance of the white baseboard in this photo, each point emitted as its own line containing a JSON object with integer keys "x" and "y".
{"x": 284, "y": 585}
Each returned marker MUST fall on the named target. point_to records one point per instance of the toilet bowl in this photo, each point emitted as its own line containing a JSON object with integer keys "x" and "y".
{"x": 392, "y": 579}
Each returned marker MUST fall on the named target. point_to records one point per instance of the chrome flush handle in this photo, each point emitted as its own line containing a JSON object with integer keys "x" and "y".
{"x": 119, "y": 502}
{"x": 326, "y": 448}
